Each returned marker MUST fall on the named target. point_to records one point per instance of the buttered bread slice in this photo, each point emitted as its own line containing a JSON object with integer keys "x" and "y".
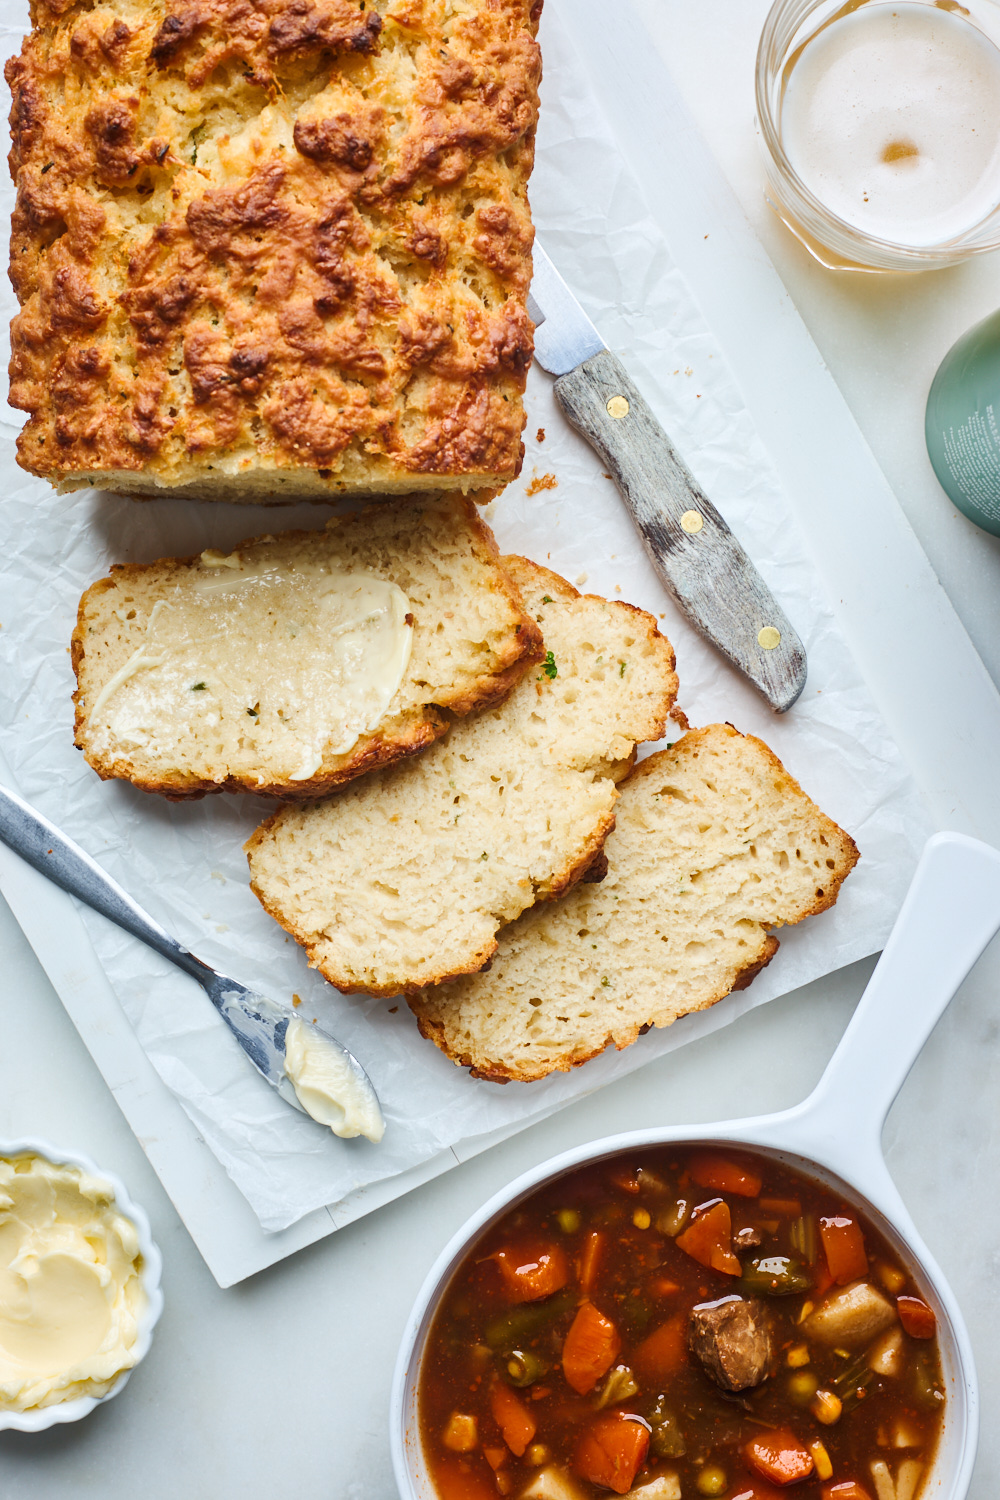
{"x": 403, "y": 879}
{"x": 714, "y": 845}
{"x": 297, "y": 662}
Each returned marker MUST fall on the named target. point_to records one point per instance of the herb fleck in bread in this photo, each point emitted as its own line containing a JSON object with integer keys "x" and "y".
{"x": 714, "y": 845}
{"x": 244, "y": 699}
{"x": 403, "y": 879}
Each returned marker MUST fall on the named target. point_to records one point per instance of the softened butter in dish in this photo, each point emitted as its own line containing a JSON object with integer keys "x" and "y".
{"x": 327, "y": 1087}
{"x": 71, "y": 1295}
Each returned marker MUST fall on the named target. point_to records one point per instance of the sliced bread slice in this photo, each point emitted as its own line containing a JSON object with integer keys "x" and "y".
{"x": 403, "y": 879}
{"x": 714, "y": 845}
{"x": 298, "y": 661}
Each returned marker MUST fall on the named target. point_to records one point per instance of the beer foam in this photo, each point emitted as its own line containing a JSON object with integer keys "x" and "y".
{"x": 891, "y": 118}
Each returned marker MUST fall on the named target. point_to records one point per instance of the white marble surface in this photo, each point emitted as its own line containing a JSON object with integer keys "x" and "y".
{"x": 279, "y": 1387}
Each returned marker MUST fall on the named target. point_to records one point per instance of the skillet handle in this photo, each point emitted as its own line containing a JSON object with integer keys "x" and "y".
{"x": 950, "y": 913}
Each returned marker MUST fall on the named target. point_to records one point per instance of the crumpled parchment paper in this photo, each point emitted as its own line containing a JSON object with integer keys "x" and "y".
{"x": 185, "y": 862}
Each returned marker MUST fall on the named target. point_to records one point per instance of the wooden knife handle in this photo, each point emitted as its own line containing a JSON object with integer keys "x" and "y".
{"x": 691, "y": 547}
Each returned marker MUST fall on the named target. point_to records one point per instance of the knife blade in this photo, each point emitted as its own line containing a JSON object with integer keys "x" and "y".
{"x": 695, "y": 554}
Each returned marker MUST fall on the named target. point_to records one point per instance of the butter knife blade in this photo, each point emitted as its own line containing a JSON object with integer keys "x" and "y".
{"x": 695, "y": 554}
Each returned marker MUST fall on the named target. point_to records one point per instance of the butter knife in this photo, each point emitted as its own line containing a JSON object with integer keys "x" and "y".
{"x": 257, "y": 1022}
{"x": 695, "y": 554}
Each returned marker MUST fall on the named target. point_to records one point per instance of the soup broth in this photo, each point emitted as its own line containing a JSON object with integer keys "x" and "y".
{"x": 676, "y": 1323}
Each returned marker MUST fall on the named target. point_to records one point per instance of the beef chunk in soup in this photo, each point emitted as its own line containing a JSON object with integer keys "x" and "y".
{"x": 733, "y": 1340}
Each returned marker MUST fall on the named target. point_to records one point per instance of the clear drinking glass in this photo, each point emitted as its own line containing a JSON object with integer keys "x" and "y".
{"x": 791, "y": 26}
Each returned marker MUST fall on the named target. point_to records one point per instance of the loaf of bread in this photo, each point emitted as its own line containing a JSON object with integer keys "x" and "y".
{"x": 299, "y": 661}
{"x": 273, "y": 251}
{"x": 403, "y": 879}
{"x": 714, "y": 845}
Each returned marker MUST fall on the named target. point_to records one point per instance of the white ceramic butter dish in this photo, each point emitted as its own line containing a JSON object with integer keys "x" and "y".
{"x": 37, "y": 1418}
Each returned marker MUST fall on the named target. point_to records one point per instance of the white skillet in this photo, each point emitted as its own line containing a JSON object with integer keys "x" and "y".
{"x": 951, "y": 911}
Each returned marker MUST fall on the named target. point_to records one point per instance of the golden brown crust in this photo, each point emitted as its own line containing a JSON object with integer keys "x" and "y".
{"x": 370, "y": 754}
{"x": 400, "y": 737}
{"x": 261, "y": 241}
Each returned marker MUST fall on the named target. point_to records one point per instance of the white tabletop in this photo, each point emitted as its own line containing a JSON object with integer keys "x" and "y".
{"x": 280, "y": 1386}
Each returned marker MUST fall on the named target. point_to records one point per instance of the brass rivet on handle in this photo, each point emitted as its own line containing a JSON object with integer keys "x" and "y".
{"x": 692, "y": 521}
{"x": 617, "y": 407}
{"x": 769, "y": 638}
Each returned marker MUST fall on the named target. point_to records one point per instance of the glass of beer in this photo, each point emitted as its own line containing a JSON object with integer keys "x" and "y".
{"x": 880, "y": 127}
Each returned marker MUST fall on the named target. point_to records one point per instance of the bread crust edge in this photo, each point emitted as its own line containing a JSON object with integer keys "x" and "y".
{"x": 434, "y": 1031}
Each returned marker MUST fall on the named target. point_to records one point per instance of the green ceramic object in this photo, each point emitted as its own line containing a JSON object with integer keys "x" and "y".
{"x": 963, "y": 424}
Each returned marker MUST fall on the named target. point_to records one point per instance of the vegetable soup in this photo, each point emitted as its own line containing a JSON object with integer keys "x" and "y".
{"x": 682, "y": 1322}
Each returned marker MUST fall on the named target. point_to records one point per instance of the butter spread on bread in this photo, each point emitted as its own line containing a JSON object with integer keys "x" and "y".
{"x": 404, "y": 878}
{"x": 296, "y": 662}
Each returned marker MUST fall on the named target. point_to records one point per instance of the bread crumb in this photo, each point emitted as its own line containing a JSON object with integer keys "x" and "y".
{"x": 580, "y": 580}
{"x": 296, "y": 1001}
{"x": 542, "y": 482}
{"x": 540, "y": 435}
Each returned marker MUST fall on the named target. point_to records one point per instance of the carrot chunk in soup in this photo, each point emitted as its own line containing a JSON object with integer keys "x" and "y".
{"x": 710, "y": 1169}
{"x": 590, "y": 1349}
{"x": 611, "y": 1450}
{"x": 708, "y": 1239}
{"x": 513, "y": 1418}
{"x": 844, "y": 1248}
{"x": 531, "y": 1271}
{"x": 664, "y": 1351}
{"x": 590, "y": 1259}
{"x": 779, "y": 1456}
{"x": 917, "y": 1318}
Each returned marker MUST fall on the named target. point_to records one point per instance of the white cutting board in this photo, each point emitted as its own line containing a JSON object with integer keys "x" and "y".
{"x": 900, "y": 623}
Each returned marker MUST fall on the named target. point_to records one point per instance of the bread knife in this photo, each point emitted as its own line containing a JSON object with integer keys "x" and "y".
{"x": 695, "y": 554}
